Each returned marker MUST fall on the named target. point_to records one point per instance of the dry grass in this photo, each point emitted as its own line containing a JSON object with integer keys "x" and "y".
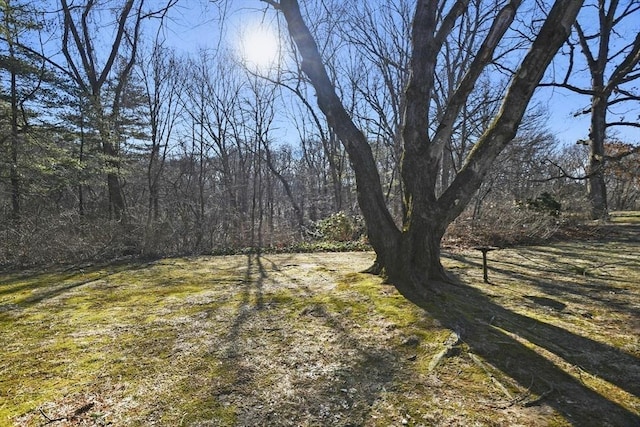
{"x": 629, "y": 217}
{"x": 304, "y": 340}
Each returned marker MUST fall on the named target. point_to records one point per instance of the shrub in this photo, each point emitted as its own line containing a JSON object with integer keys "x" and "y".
{"x": 502, "y": 225}
{"x": 544, "y": 203}
{"x": 340, "y": 227}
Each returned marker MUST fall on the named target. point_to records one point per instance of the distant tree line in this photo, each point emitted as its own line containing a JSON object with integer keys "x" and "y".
{"x": 114, "y": 144}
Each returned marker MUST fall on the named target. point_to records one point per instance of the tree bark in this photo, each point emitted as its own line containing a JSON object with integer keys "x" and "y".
{"x": 596, "y": 187}
{"x": 116, "y": 198}
{"x": 112, "y": 161}
{"x": 15, "y": 142}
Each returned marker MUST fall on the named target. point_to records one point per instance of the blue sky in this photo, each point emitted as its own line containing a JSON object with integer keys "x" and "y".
{"x": 198, "y": 26}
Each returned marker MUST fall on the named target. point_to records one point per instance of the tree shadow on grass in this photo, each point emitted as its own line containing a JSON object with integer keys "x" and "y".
{"x": 592, "y": 289}
{"x": 506, "y": 340}
{"x": 326, "y": 387}
{"x": 342, "y": 392}
{"x": 252, "y": 288}
{"x": 525, "y": 349}
{"x": 46, "y": 286}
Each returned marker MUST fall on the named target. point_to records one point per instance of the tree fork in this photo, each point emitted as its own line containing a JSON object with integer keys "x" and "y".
{"x": 411, "y": 258}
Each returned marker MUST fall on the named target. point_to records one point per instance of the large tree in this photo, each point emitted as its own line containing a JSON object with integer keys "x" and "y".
{"x": 409, "y": 254}
{"x": 607, "y": 36}
{"x": 79, "y": 48}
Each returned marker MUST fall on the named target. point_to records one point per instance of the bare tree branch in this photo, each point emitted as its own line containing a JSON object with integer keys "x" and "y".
{"x": 484, "y": 56}
{"x": 570, "y": 87}
{"x": 623, "y": 123}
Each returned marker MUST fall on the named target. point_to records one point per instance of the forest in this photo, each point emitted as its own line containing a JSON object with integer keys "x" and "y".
{"x": 117, "y": 141}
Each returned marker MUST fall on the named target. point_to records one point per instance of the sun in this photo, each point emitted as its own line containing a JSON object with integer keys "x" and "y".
{"x": 259, "y": 48}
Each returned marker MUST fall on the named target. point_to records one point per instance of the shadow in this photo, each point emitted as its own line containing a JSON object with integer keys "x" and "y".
{"x": 500, "y": 336}
{"x": 547, "y": 302}
{"x": 592, "y": 289}
{"x": 43, "y": 289}
{"x": 346, "y": 390}
{"x": 326, "y": 388}
{"x": 629, "y": 233}
{"x": 33, "y": 280}
{"x": 595, "y": 291}
{"x": 252, "y": 284}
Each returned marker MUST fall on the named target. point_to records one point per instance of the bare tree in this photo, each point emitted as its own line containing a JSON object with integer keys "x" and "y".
{"x": 611, "y": 51}
{"x": 321, "y": 150}
{"x": 379, "y": 36}
{"x": 83, "y": 32}
{"x": 160, "y": 76}
{"x": 78, "y": 46}
{"x": 410, "y": 255}
{"x": 257, "y": 118}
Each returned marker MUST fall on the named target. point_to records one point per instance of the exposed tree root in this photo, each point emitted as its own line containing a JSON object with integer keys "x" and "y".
{"x": 451, "y": 348}
{"x": 375, "y": 269}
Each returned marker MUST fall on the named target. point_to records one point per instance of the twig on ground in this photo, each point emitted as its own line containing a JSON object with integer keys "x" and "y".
{"x": 486, "y": 370}
{"x": 81, "y": 410}
{"x": 50, "y": 420}
{"x": 537, "y": 400}
{"x": 521, "y": 397}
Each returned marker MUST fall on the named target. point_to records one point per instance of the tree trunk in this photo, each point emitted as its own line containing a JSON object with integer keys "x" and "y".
{"x": 415, "y": 268}
{"x": 14, "y": 174}
{"x": 112, "y": 159}
{"x": 605, "y": 52}
{"x": 116, "y": 199}
{"x": 81, "y": 161}
{"x": 152, "y": 180}
{"x": 597, "y": 190}
{"x": 596, "y": 187}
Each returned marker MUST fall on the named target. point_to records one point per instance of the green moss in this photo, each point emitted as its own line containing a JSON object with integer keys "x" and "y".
{"x": 283, "y": 297}
{"x": 197, "y": 397}
{"x": 382, "y": 299}
{"x": 65, "y": 324}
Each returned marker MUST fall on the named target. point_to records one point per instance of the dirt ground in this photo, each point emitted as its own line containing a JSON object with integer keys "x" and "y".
{"x": 306, "y": 340}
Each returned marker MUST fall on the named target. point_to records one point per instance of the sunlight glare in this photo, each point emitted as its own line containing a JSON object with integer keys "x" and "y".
{"x": 259, "y": 48}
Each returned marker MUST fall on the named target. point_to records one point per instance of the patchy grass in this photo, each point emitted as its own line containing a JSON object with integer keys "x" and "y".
{"x": 302, "y": 339}
{"x": 629, "y": 217}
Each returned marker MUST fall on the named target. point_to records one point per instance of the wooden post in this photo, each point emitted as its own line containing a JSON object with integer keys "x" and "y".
{"x": 484, "y": 250}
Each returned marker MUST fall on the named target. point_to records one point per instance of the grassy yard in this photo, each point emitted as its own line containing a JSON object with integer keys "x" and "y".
{"x": 305, "y": 340}
{"x": 632, "y": 217}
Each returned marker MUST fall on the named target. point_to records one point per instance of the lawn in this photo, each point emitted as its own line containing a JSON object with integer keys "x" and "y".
{"x": 306, "y": 340}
